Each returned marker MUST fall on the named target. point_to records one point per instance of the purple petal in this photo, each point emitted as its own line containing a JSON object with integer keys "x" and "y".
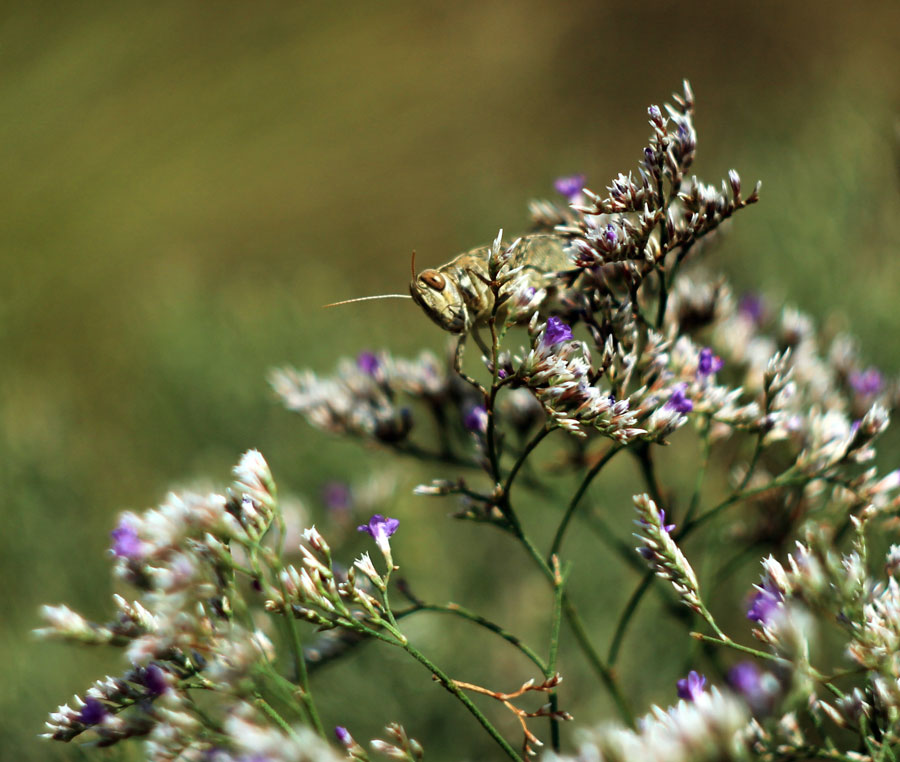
{"x": 570, "y": 185}
{"x": 126, "y": 543}
{"x": 691, "y": 687}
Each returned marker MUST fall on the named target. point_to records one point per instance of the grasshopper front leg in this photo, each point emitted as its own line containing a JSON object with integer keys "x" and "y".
{"x": 458, "y": 364}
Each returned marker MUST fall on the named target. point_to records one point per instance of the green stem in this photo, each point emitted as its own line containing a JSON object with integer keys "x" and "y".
{"x": 492, "y": 397}
{"x": 579, "y": 493}
{"x": 729, "y": 643}
{"x": 300, "y": 663}
{"x": 701, "y": 471}
{"x": 555, "y": 624}
{"x": 520, "y": 461}
{"x": 602, "y": 670}
{"x": 663, "y": 247}
{"x": 625, "y": 617}
{"x": 581, "y": 636}
{"x": 455, "y": 610}
{"x": 687, "y": 529}
{"x": 444, "y": 680}
{"x": 270, "y": 712}
{"x": 642, "y": 453}
{"x": 782, "y": 480}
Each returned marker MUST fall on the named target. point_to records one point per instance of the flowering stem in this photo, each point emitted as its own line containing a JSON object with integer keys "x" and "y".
{"x": 579, "y": 493}
{"x": 687, "y": 528}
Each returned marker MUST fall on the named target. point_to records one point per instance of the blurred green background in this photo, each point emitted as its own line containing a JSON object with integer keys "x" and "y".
{"x": 185, "y": 184}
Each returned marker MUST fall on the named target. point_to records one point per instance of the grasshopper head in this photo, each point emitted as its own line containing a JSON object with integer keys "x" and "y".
{"x": 441, "y": 299}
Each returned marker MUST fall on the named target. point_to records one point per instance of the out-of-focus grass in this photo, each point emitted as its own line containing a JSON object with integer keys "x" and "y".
{"x": 185, "y": 184}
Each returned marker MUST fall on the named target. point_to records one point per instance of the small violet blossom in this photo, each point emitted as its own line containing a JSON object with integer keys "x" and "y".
{"x": 126, "y": 543}
{"x": 679, "y": 401}
{"x": 866, "y": 383}
{"x": 708, "y": 363}
{"x": 764, "y": 604}
{"x": 154, "y": 680}
{"x": 648, "y": 552}
{"x": 368, "y": 363}
{"x": 476, "y": 420}
{"x": 751, "y": 307}
{"x": 93, "y": 712}
{"x": 381, "y": 529}
{"x": 343, "y": 735}
{"x": 554, "y": 334}
{"x": 755, "y": 686}
{"x": 570, "y": 186}
{"x": 611, "y": 236}
{"x": 690, "y": 688}
{"x": 337, "y": 497}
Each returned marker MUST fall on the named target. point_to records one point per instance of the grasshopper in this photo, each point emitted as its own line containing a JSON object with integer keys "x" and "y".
{"x": 457, "y": 296}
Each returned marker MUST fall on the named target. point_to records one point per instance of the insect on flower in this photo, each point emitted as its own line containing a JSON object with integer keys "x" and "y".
{"x": 457, "y": 296}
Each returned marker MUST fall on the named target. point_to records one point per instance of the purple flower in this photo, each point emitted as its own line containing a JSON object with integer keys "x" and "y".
{"x": 667, "y": 528}
{"x": 555, "y": 333}
{"x": 708, "y": 363}
{"x": 611, "y": 235}
{"x": 367, "y": 362}
{"x": 866, "y": 383}
{"x": 569, "y": 186}
{"x": 93, "y": 712}
{"x": 647, "y": 552}
{"x": 764, "y": 604}
{"x": 751, "y": 307}
{"x": 343, "y": 735}
{"x": 476, "y": 419}
{"x": 337, "y": 497}
{"x": 690, "y": 688}
{"x": 662, "y": 520}
{"x": 126, "y": 543}
{"x": 154, "y": 680}
{"x": 746, "y": 679}
{"x": 655, "y": 113}
{"x": 381, "y": 529}
{"x": 679, "y": 401}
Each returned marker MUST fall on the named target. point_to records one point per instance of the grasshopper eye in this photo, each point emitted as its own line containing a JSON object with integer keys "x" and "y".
{"x": 433, "y": 279}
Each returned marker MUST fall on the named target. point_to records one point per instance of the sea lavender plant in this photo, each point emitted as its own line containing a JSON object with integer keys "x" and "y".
{"x": 227, "y": 610}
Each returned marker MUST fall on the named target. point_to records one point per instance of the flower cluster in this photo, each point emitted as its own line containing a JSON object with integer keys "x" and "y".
{"x": 631, "y": 346}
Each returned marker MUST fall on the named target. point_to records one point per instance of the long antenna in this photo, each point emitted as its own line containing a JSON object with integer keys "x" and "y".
{"x": 412, "y": 265}
{"x": 367, "y": 298}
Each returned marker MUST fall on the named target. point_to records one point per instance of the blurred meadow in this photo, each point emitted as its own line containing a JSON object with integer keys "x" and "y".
{"x": 185, "y": 184}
